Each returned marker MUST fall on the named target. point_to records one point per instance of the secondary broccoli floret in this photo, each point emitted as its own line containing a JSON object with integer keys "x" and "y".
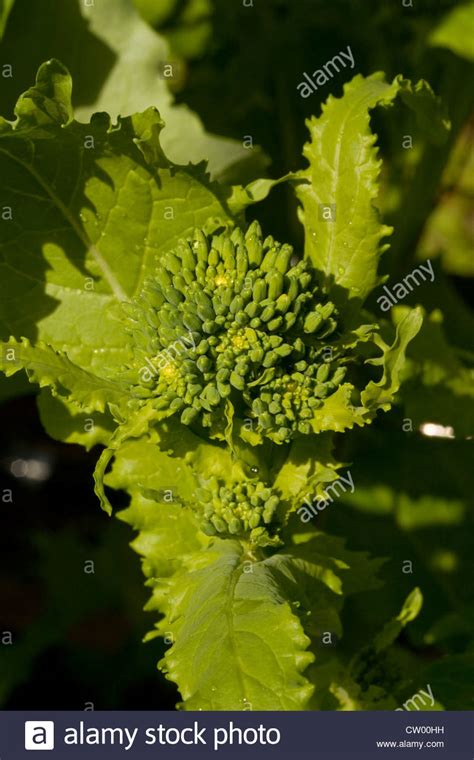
{"x": 234, "y": 316}
{"x": 245, "y": 509}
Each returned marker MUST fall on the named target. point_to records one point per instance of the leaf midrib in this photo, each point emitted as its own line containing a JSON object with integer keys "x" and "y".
{"x": 233, "y": 580}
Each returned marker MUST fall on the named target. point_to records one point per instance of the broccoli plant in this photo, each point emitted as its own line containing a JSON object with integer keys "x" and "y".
{"x": 219, "y": 369}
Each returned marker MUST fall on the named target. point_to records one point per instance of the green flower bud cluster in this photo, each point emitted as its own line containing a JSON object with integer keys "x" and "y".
{"x": 289, "y": 401}
{"x": 245, "y": 509}
{"x": 232, "y": 316}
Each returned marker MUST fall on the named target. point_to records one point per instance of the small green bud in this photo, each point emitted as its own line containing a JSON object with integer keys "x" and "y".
{"x": 312, "y": 322}
{"x": 209, "y": 326}
{"x": 254, "y": 250}
{"x": 254, "y": 520}
{"x": 235, "y": 526}
{"x": 237, "y": 304}
{"x": 282, "y": 304}
{"x": 270, "y": 359}
{"x": 186, "y": 255}
{"x": 218, "y": 523}
{"x": 177, "y": 404}
{"x": 213, "y": 257}
{"x": 275, "y": 324}
{"x": 208, "y": 528}
{"x": 192, "y": 321}
{"x": 188, "y": 415}
{"x": 172, "y": 263}
{"x": 237, "y": 237}
{"x": 254, "y": 231}
{"x": 283, "y": 258}
{"x": 269, "y": 258}
{"x": 322, "y": 373}
{"x": 228, "y": 254}
{"x": 252, "y": 309}
{"x": 242, "y": 261}
{"x": 237, "y": 381}
{"x": 259, "y": 290}
{"x": 211, "y": 394}
{"x": 199, "y": 245}
{"x": 339, "y": 375}
{"x": 267, "y": 313}
{"x": 275, "y": 282}
{"x": 204, "y": 364}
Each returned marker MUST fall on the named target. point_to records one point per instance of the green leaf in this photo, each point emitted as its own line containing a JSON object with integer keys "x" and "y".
{"x": 380, "y": 395}
{"x": 376, "y": 672}
{"x": 132, "y": 87}
{"x": 156, "y": 14}
{"x": 117, "y": 62}
{"x": 89, "y": 215}
{"x": 410, "y": 610}
{"x": 357, "y": 571}
{"x": 306, "y": 468}
{"x": 237, "y": 643}
{"x": 148, "y": 465}
{"x": 137, "y": 424}
{"x": 167, "y": 535}
{"x": 456, "y": 31}
{"x": 49, "y": 368}
{"x": 254, "y": 192}
{"x": 5, "y": 8}
{"x": 187, "y": 26}
{"x": 342, "y": 176}
{"x": 450, "y": 231}
{"x": 69, "y": 425}
{"x": 167, "y": 531}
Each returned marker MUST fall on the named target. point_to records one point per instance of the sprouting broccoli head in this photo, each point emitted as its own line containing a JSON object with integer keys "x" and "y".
{"x": 247, "y": 508}
{"x": 235, "y": 317}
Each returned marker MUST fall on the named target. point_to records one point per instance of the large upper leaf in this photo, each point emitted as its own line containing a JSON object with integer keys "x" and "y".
{"x": 344, "y": 242}
{"x": 139, "y": 79}
{"x": 118, "y": 64}
{"x": 91, "y": 206}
